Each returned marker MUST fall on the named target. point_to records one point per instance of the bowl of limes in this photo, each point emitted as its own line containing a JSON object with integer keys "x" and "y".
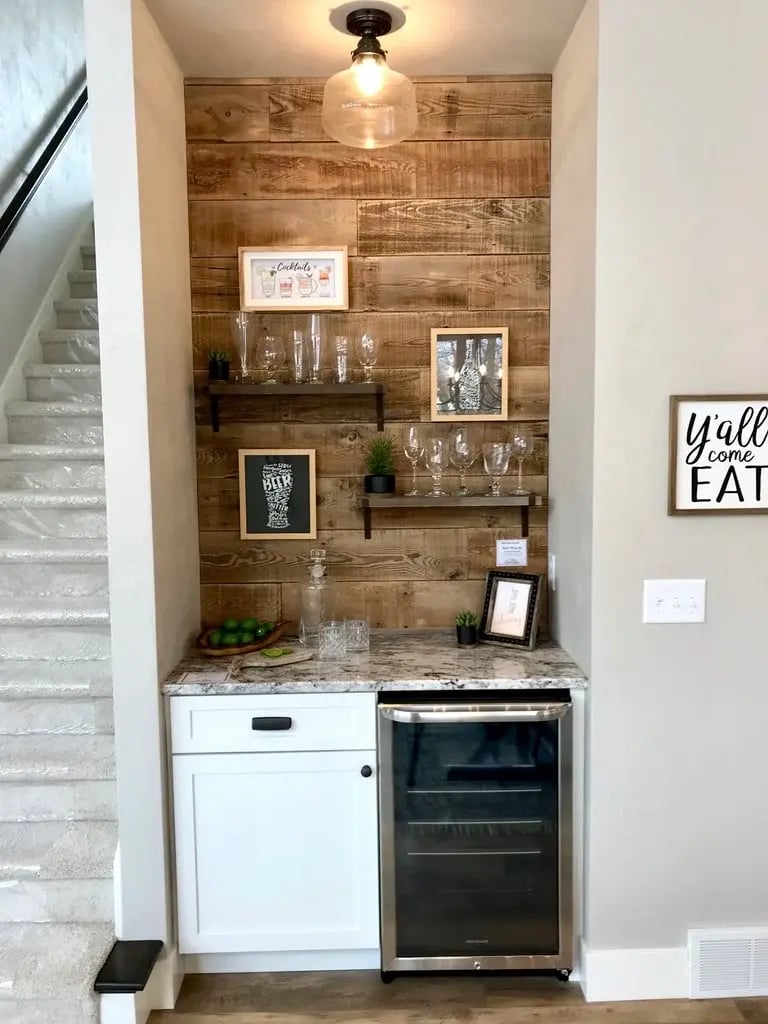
{"x": 238, "y": 636}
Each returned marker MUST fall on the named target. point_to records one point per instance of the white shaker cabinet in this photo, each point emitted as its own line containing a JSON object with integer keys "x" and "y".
{"x": 276, "y": 847}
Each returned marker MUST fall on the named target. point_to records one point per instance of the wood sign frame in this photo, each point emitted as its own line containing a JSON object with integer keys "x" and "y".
{"x": 291, "y": 278}
{"x": 718, "y": 452}
{"x": 502, "y": 621}
{"x": 278, "y": 494}
{"x": 493, "y": 385}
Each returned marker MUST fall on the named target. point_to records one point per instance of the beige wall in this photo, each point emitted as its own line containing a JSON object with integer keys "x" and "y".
{"x": 678, "y": 827}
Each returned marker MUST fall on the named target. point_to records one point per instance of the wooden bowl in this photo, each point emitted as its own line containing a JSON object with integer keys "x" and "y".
{"x": 205, "y": 648}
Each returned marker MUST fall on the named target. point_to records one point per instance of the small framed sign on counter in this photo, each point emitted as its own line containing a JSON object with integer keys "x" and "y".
{"x": 511, "y": 608}
{"x": 277, "y": 494}
{"x": 718, "y": 454}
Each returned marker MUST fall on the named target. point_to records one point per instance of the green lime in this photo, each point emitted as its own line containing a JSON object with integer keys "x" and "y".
{"x": 260, "y": 632}
{"x": 244, "y": 637}
{"x": 230, "y": 625}
{"x": 273, "y": 652}
{"x": 269, "y": 626}
{"x": 230, "y": 639}
{"x": 248, "y": 625}
{"x": 214, "y": 638}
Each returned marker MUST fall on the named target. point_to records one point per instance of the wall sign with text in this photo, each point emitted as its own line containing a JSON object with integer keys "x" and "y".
{"x": 718, "y": 454}
{"x": 277, "y": 494}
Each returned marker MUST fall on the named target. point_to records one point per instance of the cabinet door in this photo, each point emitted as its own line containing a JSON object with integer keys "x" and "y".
{"x": 276, "y": 852}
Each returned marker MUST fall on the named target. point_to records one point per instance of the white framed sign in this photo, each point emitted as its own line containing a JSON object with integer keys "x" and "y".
{"x": 718, "y": 454}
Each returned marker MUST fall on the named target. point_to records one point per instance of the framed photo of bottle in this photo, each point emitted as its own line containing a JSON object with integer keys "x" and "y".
{"x": 469, "y": 373}
{"x": 293, "y": 278}
{"x": 278, "y": 496}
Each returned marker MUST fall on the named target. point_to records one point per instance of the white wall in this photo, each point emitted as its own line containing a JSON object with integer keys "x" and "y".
{"x": 42, "y": 53}
{"x": 145, "y": 328}
{"x": 678, "y": 829}
{"x": 572, "y": 339}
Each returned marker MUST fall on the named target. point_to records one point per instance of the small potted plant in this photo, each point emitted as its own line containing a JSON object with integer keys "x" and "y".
{"x": 466, "y": 629}
{"x": 218, "y": 364}
{"x": 380, "y": 463}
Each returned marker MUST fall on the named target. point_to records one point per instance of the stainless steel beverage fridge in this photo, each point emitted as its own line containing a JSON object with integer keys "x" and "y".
{"x": 476, "y": 831}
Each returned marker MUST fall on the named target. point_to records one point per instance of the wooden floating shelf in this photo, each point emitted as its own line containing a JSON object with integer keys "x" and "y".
{"x": 218, "y": 390}
{"x": 522, "y": 501}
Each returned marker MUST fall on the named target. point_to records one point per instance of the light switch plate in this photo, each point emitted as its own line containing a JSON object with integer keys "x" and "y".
{"x": 674, "y": 600}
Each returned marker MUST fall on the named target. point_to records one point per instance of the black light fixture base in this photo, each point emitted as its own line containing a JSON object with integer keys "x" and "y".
{"x": 369, "y": 21}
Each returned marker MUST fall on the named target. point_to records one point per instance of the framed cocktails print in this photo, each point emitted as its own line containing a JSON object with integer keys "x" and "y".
{"x": 718, "y": 454}
{"x": 277, "y": 494}
{"x": 290, "y": 279}
{"x": 511, "y": 608}
{"x": 469, "y": 373}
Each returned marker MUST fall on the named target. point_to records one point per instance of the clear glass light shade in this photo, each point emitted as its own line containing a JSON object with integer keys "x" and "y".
{"x": 369, "y": 105}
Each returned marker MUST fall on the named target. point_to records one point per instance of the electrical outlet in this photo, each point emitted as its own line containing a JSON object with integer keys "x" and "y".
{"x": 674, "y": 600}
{"x": 552, "y": 572}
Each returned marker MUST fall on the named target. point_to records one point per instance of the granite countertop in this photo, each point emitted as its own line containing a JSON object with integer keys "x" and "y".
{"x": 398, "y": 660}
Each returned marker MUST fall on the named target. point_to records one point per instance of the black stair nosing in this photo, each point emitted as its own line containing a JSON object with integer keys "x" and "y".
{"x": 128, "y": 966}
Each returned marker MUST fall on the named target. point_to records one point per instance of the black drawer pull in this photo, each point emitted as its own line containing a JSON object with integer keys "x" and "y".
{"x": 272, "y": 724}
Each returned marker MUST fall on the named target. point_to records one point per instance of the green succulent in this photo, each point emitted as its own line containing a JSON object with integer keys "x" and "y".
{"x": 218, "y": 355}
{"x": 466, "y": 619}
{"x": 380, "y": 456}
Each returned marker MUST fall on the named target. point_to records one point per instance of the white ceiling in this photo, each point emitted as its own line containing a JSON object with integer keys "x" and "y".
{"x": 260, "y": 38}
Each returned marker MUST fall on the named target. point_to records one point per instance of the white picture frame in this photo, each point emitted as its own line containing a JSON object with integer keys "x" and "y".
{"x": 293, "y": 278}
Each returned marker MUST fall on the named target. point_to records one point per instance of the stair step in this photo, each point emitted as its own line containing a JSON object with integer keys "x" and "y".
{"x": 60, "y": 758}
{"x": 54, "y": 423}
{"x": 77, "y": 514}
{"x": 54, "y": 961}
{"x": 74, "y": 629}
{"x": 44, "y": 716}
{"x": 23, "y": 680}
{"x": 85, "y": 901}
{"x": 72, "y": 313}
{"x": 88, "y": 256}
{"x": 53, "y": 568}
{"x": 57, "y": 850}
{"x": 29, "y": 466}
{"x": 50, "y": 551}
{"x": 52, "y": 1011}
{"x": 76, "y": 346}
{"x": 57, "y": 801}
{"x": 63, "y": 382}
{"x": 54, "y": 613}
{"x": 82, "y": 284}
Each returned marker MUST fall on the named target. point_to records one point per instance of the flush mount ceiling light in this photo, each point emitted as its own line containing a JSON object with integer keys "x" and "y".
{"x": 369, "y": 105}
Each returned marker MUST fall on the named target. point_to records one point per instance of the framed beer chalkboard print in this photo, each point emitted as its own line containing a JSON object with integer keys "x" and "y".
{"x": 718, "y": 454}
{"x": 277, "y": 494}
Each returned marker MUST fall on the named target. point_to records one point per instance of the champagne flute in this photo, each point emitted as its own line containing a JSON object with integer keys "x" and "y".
{"x": 463, "y": 453}
{"x": 367, "y": 354}
{"x": 414, "y": 449}
{"x": 436, "y": 458}
{"x": 522, "y": 446}
{"x": 270, "y": 355}
{"x": 239, "y": 326}
{"x": 496, "y": 460}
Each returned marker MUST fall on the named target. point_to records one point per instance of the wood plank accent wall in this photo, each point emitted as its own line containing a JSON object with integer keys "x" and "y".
{"x": 448, "y": 229}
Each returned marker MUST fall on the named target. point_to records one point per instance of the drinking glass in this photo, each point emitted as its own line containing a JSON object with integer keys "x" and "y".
{"x": 463, "y": 454}
{"x": 332, "y": 641}
{"x": 496, "y": 459}
{"x": 300, "y": 357}
{"x": 342, "y": 348}
{"x": 270, "y": 356}
{"x": 414, "y": 449}
{"x": 367, "y": 353}
{"x": 239, "y": 325}
{"x": 358, "y": 635}
{"x": 436, "y": 458}
{"x": 522, "y": 446}
{"x": 315, "y": 350}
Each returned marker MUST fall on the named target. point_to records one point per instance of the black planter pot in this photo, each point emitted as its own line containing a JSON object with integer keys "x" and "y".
{"x": 379, "y": 484}
{"x": 218, "y": 369}
{"x": 466, "y": 636}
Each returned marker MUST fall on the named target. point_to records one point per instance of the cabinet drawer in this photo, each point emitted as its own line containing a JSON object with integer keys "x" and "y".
{"x": 309, "y": 721}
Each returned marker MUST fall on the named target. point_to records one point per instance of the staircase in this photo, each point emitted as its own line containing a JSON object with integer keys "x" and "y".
{"x": 57, "y": 790}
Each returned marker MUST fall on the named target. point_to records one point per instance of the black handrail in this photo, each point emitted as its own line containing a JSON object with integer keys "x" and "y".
{"x": 12, "y": 213}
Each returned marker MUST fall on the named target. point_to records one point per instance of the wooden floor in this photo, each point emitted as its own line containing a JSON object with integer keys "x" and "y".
{"x": 358, "y": 997}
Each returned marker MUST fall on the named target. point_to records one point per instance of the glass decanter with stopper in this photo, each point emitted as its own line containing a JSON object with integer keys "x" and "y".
{"x": 469, "y": 381}
{"x": 315, "y": 599}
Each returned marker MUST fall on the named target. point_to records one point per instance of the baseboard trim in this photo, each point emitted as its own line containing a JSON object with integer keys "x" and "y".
{"x": 615, "y": 975}
{"x": 309, "y": 960}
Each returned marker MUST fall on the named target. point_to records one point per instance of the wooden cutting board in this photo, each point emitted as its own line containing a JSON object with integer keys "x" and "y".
{"x": 250, "y": 661}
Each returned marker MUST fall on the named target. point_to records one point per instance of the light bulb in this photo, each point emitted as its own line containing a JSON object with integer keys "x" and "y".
{"x": 369, "y": 71}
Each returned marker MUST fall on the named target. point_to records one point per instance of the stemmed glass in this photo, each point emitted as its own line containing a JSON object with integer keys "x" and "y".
{"x": 436, "y": 458}
{"x": 367, "y": 353}
{"x": 496, "y": 461}
{"x": 463, "y": 453}
{"x": 239, "y": 327}
{"x": 270, "y": 356}
{"x": 522, "y": 446}
{"x": 414, "y": 449}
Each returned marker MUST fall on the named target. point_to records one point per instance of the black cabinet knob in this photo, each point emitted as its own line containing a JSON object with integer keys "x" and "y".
{"x": 366, "y": 771}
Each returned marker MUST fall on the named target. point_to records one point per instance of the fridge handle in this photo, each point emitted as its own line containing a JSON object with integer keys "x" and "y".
{"x": 456, "y": 714}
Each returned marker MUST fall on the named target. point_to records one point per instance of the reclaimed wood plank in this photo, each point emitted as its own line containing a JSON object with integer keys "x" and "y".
{"x": 508, "y": 282}
{"x": 227, "y": 113}
{"x": 218, "y": 603}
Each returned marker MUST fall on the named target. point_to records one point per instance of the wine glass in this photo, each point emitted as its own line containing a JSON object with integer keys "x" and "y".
{"x": 496, "y": 460}
{"x": 414, "y": 449}
{"x": 436, "y": 458}
{"x": 522, "y": 446}
{"x": 367, "y": 354}
{"x": 239, "y": 325}
{"x": 270, "y": 356}
{"x": 463, "y": 453}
